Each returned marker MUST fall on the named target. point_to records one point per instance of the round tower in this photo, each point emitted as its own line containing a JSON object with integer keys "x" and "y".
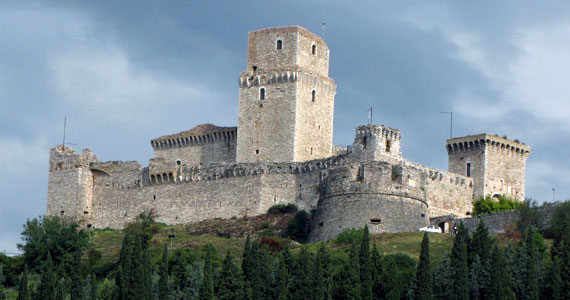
{"x": 286, "y": 98}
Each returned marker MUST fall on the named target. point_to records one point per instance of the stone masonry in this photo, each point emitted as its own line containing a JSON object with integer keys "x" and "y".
{"x": 282, "y": 152}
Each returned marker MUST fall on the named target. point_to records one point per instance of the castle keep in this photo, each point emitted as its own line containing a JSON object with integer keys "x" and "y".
{"x": 282, "y": 152}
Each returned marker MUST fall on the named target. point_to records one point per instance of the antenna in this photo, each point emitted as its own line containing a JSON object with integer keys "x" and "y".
{"x": 324, "y": 25}
{"x": 451, "y": 122}
{"x": 369, "y": 115}
{"x": 64, "y": 125}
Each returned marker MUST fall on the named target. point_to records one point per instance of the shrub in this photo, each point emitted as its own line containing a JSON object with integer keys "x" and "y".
{"x": 348, "y": 236}
{"x": 299, "y": 227}
{"x": 488, "y": 205}
{"x": 283, "y": 208}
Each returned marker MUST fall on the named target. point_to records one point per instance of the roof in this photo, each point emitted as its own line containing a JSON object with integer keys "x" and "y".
{"x": 200, "y": 130}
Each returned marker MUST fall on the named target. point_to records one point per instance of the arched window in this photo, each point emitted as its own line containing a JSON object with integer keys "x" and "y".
{"x": 279, "y": 45}
{"x": 313, "y": 95}
{"x": 314, "y": 50}
{"x": 262, "y": 94}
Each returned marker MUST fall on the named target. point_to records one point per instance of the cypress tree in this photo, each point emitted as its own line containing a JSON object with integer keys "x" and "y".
{"x": 123, "y": 277}
{"x": 60, "y": 293}
{"x": 424, "y": 286}
{"x": 475, "y": 275}
{"x": 375, "y": 259}
{"x": 348, "y": 280}
{"x": 23, "y": 292}
{"x": 246, "y": 262}
{"x": 229, "y": 282}
{"x": 301, "y": 285}
{"x": 554, "y": 280}
{"x": 443, "y": 279}
{"x": 365, "y": 266}
{"x": 48, "y": 286}
{"x": 323, "y": 262}
{"x": 481, "y": 244}
{"x": 531, "y": 290}
{"x": 460, "y": 271}
{"x": 163, "y": 292}
{"x": 501, "y": 281}
{"x": 280, "y": 290}
{"x": 147, "y": 274}
{"x": 77, "y": 284}
{"x": 207, "y": 287}
{"x": 137, "y": 289}
{"x": 92, "y": 287}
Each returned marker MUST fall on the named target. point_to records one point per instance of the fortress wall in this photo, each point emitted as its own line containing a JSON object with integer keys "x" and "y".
{"x": 218, "y": 191}
{"x": 376, "y": 194}
{"x": 215, "y": 151}
{"x": 446, "y": 193}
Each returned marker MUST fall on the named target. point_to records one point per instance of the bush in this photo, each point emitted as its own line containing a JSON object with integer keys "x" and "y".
{"x": 283, "y": 208}
{"x": 348, "y": 236}
{"x": 299, "y": 227}
{"x": 488, "y": 205}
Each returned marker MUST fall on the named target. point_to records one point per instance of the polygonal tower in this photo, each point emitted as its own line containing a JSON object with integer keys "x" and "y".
{"x": 286, "y": 99}
{"x": 497, "y": 165}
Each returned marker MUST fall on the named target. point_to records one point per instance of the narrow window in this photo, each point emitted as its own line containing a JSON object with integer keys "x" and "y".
{"x": 279, "y": 44}
{"x": 178, "y": 162}
{"x": 256, "y": 151}
{"x": 468, "y": 169}
{"x": 388, "y": 146}
{"x": 314, "y": 50}
{"x": 313, "y": 95}
{"x": 262, "y": 94}
{"x": 311, "y": 150}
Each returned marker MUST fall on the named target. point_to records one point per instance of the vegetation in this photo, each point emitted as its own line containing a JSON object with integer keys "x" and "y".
{"x": 489, "y": 205}
{"x": 355, "y": 265}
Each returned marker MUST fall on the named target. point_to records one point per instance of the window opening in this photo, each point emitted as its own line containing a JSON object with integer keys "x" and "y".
{"x": 262, "y": 94}
{"x": 178, "y": 162}
{"x": 314, "y": 50}
{"x": 468, "y": 169}
{"x": 313, "y": 95}
{"x": 311, "y": 150}
{"x": 388, "y": 146}
{"x": 375, "y": 220}
{"x": 279, "y": 44}
{"x": 256, "y": 151}
{"x": 254, "y": 68}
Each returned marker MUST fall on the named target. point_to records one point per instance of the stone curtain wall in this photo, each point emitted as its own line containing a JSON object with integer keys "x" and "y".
{"x": 218, "y": 150}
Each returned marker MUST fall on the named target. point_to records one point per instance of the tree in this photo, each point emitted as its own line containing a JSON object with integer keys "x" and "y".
{"x": 301, "y": 277}
{"x": 501, "y": 281}
{"x": 92, "y": 279}
{"x": 365, "y": 266}
{"x": 443, "y": 279}
{"x": 163, "y": 292}
{"x": 229, "y": 283}
{"x": 77, "y": 283}
{"x": 58, "y": 237}
{"x": 459, "y": 268}
{"x": 323, "y": 265}
{"x": 23, "y": 292}
{"x": 348, "y": 280}
{"x": 530, "y": 216}
{"x": 48, "y": 286}
{"x": 424, "y": 286}
{"x": 207, "y": 287}
{"x": 531, "y": 268}
{"x": 299, "y": 227}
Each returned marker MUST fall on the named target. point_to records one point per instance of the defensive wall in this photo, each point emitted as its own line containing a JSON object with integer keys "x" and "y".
{"x": 495, "y": 222}
{"x": 113, "y": 193}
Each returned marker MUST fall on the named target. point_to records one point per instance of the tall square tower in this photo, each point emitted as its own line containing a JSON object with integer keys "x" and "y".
{"x": 497, "y": 165}
{"x": 286, "y": 98}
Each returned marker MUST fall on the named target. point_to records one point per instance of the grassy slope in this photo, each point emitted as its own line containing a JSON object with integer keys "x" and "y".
{"x": 230, "y": 235}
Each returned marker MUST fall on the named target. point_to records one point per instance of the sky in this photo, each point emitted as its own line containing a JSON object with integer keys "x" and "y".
{"x": 125, "y": 72}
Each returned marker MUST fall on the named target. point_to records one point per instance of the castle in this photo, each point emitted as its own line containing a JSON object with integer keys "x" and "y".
{"x": 282, "y": 152}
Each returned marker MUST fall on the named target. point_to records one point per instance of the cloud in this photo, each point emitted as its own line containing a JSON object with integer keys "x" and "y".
{"x": 106, "y": 84}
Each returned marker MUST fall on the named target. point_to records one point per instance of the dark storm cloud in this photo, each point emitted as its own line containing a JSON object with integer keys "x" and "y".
{"x": 126, "y": 72}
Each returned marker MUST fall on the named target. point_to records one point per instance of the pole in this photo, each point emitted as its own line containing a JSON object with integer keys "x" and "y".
{"x": 451, "y": 122}
{"x": 553, "y": 195}
{"x": 324, "y": 24}
{"x": 64, "y": 125}
{"x": 370, "y": 116}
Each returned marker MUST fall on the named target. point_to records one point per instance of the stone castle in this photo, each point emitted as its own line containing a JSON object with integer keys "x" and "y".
{"x": 282, "y": 152}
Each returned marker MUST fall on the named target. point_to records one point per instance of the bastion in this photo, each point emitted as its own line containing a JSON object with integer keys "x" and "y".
{"x": 282, "y": 152}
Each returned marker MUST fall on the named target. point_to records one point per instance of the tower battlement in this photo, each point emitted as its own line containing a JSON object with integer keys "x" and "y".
{"x": 377, "y": 142}
{"x": 489, "y": 141}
